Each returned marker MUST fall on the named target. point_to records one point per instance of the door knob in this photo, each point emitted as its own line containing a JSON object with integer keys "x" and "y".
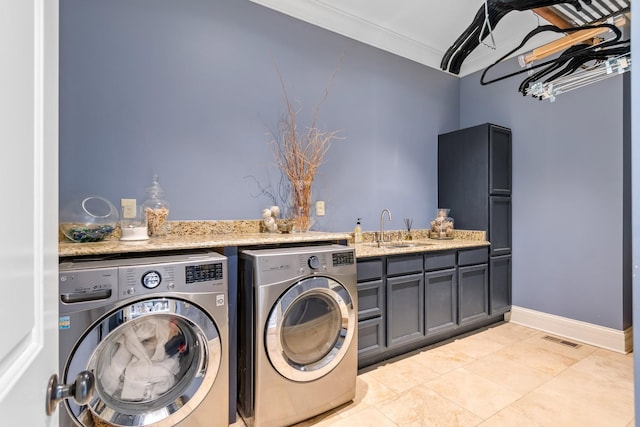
{"x": 80, "y": 390}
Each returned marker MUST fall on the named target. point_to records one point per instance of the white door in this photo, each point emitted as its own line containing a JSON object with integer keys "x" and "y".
{"x": 29, "y": 209}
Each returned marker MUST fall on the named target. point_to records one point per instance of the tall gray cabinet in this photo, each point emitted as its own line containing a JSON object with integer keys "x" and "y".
{"x": 474, "y": 182}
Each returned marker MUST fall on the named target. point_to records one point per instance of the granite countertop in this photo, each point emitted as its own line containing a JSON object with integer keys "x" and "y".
{"x": 183, "y": 235}
{"x": 364, "y": 250}
{"x": 180, "y": 242}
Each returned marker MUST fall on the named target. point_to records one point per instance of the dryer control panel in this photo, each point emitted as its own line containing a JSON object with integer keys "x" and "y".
{"x": 274, "y": 265}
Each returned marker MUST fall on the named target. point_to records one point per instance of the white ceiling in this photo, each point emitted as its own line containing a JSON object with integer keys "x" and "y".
{"x": 421, "y": 30}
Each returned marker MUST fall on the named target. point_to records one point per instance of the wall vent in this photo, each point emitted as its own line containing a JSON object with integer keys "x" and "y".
{"x": 561, "y": 341}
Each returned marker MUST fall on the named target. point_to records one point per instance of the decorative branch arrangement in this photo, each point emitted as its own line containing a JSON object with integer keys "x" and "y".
{"x": 299, "y": 154}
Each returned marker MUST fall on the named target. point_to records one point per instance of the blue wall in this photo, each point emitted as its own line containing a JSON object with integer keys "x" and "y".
{"x": 189, "y": 90}
{"x": 568, "y": 216}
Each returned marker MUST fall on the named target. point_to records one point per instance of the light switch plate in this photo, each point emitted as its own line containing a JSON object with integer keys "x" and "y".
{"x": 320, "y": 208}
{"x": 128, "y": 208}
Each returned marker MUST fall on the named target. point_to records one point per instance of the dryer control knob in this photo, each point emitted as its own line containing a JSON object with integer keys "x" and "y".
{"x": 314, "y": 262}
{"x": 151, "y": 279}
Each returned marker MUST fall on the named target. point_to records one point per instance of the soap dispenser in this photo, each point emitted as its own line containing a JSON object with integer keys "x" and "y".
{"x": 357, "y": 232}
{"x": 156, "y": 209}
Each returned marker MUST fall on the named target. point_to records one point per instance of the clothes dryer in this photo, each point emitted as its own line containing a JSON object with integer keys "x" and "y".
{"x": 298, "y": 333}
{"x": 153, "y": 332}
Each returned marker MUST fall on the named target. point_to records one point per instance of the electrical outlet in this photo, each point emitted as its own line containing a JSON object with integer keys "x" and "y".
{"x": 128, "y": 208}
{"x": 319, "y": 208}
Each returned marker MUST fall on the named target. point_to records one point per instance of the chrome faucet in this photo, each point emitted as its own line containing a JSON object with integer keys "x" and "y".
{"x": 381, "y": 240}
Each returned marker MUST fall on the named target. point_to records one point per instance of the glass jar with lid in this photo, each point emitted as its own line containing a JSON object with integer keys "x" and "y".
{"x": 156, "y": 209}
{"x": 442, "y": 225}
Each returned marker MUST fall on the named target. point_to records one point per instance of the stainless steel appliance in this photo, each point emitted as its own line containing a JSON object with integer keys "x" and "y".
{"x": 153, "y": 332}
{"x": 298, "y": 333}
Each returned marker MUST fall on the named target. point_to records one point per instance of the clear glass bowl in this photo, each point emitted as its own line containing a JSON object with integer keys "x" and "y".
{"x": 90, "y": 219}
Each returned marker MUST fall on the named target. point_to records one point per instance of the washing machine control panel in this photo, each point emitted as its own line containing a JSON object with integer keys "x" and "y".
{"x": 189, "y": 276}
{"x": 342, "y": 258}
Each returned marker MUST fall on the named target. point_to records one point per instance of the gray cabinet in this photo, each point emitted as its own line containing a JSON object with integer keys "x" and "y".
{"x": 371, "y": 307}
{"x": 405, "y": 309}
{"x": 441, "y": 292}
{"x": 474, "y": 182}
{"x": 441, "y": 301}
{"x": 473, "y": 293}
{"x": 370, "y": 337}
{"x": 409, "y": 301}
{"x": 473, "y": 285}
{"x": 405, "y": 299}
{"x": 500, "y": 284}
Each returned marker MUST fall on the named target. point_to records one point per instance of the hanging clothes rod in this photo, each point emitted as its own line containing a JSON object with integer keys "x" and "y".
{"x": 566, "y": 42}
{"x": 552, "y": 17}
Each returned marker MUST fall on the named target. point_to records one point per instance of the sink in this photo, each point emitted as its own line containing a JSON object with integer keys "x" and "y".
{"x": 407, "y": 244}
{"x": 400, "y": 244}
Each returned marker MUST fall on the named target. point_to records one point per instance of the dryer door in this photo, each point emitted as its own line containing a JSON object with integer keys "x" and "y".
{"x": 149, "y": 359}
{"x": 310, "y": 329}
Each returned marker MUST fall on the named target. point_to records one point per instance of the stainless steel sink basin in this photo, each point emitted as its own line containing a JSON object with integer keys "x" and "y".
{"x": 400, "y": 244}
{"x": 407, "y": 244}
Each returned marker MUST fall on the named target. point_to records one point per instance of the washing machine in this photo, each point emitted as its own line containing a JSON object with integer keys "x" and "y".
{"x": 152, "y": 332}
{"x": 297, "y": 333}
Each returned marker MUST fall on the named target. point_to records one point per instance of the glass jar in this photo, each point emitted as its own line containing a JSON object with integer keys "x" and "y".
{"x": 90, "y": 219}
{"x": 442, "y": 225}
{"x": 133, "y": 227}
{"x": 156, "y": 209}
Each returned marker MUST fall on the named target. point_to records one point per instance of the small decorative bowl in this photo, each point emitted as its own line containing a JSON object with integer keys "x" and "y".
{"x": 90, "y": 219}
{"x": 284, "y": 225}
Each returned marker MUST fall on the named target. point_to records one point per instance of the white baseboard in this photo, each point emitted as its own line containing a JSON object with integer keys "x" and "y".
{"x": 588, "y": 333}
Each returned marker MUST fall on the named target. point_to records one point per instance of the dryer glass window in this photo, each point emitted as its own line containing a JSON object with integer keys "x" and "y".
{"x": 145, "y": 359}
{"x": 149, "y": 363}
{"x": 311, "y": 328}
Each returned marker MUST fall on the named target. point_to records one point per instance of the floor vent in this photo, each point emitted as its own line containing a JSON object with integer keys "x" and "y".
{"x": 561, "y": 341}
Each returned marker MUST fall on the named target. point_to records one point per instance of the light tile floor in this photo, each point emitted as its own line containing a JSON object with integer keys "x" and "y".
{"x": 506, "y": 375}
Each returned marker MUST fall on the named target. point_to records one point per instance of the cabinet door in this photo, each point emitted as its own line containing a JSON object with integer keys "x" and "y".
{"x": 499, "y": 161}
{"x": 500, "y": 284}
{"x": 500, "y": 225}
{"x": 405, "y": 309}
{"x": 473, "y": 293}
{"x": 370, "y": 337}
{"x": 463, "y": 176}
{"x": 441, "y": 301}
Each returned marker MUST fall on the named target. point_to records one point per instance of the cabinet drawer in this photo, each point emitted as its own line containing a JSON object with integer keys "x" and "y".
{"x": 473, "y": 256}
{"x": 439, "y": 261}
{"x": 370, "y": 299}
{"x": 404, "y": 264}
{"x": 370, "y": 336}
{"x": 369, "y": 269}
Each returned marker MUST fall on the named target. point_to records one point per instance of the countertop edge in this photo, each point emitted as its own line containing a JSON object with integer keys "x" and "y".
{"x": 367, "y": 250}
{"x": 156, "y": 244}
